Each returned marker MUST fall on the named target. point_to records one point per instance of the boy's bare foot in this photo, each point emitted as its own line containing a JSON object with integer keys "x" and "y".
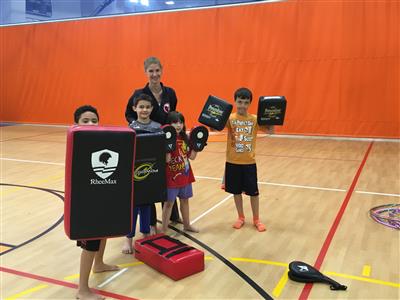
{"x": 104, "y": 268}
{"x": 88, "y": 295}
{"x": 191, "y": 229}
{"x": 238, "y": 224}
{"x": 127, "y": 247}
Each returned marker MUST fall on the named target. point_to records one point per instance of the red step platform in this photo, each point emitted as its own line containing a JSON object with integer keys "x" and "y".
{"x": 169, "y": 256}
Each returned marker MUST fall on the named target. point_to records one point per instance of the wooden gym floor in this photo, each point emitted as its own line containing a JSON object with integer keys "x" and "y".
{"x": 315, "y": 195}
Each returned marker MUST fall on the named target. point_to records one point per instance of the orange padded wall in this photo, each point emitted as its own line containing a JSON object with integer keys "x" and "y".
{"x": 337, "y": 63}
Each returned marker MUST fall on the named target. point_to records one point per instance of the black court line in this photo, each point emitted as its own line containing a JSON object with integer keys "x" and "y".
{"x": 7, "y": 245}
{"x": 234, "y": 268}
{"x": 54, "y": 192}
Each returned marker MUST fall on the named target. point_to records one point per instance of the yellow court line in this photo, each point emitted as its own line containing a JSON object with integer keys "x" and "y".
{"x": 260, "y": 261}
{"x": 130, "y": 264}
{"x": 26, "y": 292}
{"x": 4, "y": 248}
{"x": 70, "y": 277}
{"x": 376, "y": 281}
{"x": 366, "y": 271}
{"x": 74, "y": 276}
{"x": 281, "y": 284}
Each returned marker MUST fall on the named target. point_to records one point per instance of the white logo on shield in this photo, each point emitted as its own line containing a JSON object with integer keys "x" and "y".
{"x": 104, "y": 162}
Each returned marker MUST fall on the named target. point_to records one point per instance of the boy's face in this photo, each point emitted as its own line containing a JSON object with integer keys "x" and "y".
{"x": 242, "y": 105}
{"x": 88, "y": 118}
{"x": 143, "y": 109}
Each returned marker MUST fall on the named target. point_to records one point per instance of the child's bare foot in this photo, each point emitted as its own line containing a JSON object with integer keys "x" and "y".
{"x": 239, "y": 223}
{"x": 190, "y": 228}
{"x": 127, "y": 247}
{"x": 177, "y": 221}
{"x": 88, "y": 295}
{"x": 98, "y": 268}
{"x": 153, "y": 230}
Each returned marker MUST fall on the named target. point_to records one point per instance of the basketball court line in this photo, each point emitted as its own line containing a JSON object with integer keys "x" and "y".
{"x": 324, "y": 249}
{"x": 45, "y": 231}
{"x": 220, "y": 179}
{"x": 225, "y": 261}
{"x": 290, "y": 156}
{"x": 62, "y": 283}
{"x": 31, "y": 136}
{"x": 32, "y": 161}
{"x": 378, "y": 194}
{"x": 276, "y": 292}
{"x": 211, "y": 209}
{"x": 27, "y": 292}
{"x": 108, "y": 280}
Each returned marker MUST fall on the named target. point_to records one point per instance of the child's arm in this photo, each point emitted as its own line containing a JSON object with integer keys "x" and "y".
{"x": 192, "y": 155}
{"x": 168, "y": 157}
{"x": 269, "y": 129}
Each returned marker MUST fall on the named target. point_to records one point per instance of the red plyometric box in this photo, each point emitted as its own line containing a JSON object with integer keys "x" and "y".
{"x": 170, "y": 256}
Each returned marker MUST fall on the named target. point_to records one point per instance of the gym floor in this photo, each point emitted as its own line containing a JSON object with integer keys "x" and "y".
{"x": 315, "y": 197}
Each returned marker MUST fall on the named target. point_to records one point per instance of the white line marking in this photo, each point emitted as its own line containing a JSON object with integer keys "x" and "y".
{"x": 112, "y": 277}
{"x": 380, "y": 194}
{"x": 220, "y": 179}
{"x": 211, "y": 209}
{"x": 282, "y": 184}
{"x": 206, "y": 177}
{"x": 32, "y": 161}
{"x": 302, "y": 186}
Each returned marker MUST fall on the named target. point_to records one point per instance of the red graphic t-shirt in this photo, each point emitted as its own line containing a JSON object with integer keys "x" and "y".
{"x": 179, "y": 171}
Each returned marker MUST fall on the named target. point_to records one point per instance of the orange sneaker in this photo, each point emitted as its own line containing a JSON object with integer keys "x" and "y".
{"x": 238, "y": 224}
{"x": 260, "y": 226}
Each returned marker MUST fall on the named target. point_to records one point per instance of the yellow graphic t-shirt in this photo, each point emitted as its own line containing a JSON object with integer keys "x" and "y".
{"x": 241, "y": 143}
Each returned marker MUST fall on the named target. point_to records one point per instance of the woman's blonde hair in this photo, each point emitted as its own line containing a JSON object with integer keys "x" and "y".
{"x": 151, "y": 60}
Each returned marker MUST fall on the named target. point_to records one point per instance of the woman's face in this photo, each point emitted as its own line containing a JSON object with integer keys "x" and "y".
{"x": 154, "y": 73}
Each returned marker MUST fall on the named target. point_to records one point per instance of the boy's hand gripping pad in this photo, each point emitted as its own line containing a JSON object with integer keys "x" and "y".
{"x": 215, "y": 113}
{"x": 198, "y": 138}
{"x": 170, "y": 137}
{"x": 98, "y": 182}
{"x": 271, "y": 110}
{"x": 150, "y": 165}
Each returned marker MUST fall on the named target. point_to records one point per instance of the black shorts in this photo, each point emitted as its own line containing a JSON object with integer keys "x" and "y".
{"x": 89, "y": 245}
{"x": 241, "y": 178}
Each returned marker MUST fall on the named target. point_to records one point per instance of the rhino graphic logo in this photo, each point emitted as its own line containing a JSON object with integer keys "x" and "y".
{"x": 104, "y": 162}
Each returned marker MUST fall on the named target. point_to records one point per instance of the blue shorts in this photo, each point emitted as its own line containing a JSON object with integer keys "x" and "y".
{"x": 185, "y": 192}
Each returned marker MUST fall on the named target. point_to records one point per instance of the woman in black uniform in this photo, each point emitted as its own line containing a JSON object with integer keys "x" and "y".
{"x": 164, "y": 100}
